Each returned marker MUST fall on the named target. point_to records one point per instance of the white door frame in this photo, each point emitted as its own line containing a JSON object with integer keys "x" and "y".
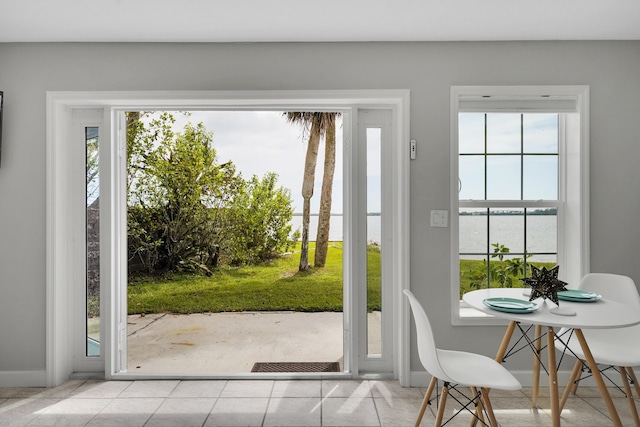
{"x": 60, "y": 247}
{"x": 365, "y": 119}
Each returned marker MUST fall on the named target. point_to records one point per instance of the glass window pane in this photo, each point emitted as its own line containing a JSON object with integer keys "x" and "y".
{"x": 503, "y": 178}
{"x": 374, "y": 179}
{"x": 471, "y": 173}
{"x": 471, "y": 133}
{"x": 503, "y": 133}
{"x": 542, "y": 231}
{"x": 473, "y": 231}
{"x": 540, "y": 133}
{"x": 540, "y": 177}
{"x": 494, "y": 250}
{"x": 506, "y": 231}
{"x": 374, "y": 247}
{"x": 93, "y": 242}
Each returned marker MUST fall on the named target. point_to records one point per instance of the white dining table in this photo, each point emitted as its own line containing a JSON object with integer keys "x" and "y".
{"x": 600, "y": 314}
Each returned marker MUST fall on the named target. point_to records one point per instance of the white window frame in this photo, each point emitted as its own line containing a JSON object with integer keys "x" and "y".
{"x": 573, "y": 175}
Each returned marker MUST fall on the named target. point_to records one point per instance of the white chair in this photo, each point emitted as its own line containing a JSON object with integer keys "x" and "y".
{"x": 617, "y": 347}
{"x": 457, "y": 368}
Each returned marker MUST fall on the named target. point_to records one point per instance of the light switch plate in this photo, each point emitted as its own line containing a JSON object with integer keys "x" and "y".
{"x": 439, "y": 218}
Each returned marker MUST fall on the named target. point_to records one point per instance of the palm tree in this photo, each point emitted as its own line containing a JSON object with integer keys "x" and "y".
{"x": 317, "y": 124}
{"x": 324, "y": 214}
{"x": 307, "y": 120}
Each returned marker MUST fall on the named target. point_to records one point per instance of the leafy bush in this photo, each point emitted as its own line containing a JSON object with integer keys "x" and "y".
{"x": 503, "y": 272}
{"x": 260, "y": 215}
{"x": 187, "y": 212}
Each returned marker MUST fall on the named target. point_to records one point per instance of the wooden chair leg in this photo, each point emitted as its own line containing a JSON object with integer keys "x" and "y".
{"x": 597, "y": 377}
{"x": 502, "y": 350}
{"x": 441, "y": 404}
{"x": 479, "y": 413}
{"x": 634, "y": 379}
{"x": 575, "y": 374}
{"x": 487, "y": 405}
{"x": 432, "y": 386}
{"x": 627, "y": 390}
{"x": 576, "y": 382}
{"x": 425, "y": 401}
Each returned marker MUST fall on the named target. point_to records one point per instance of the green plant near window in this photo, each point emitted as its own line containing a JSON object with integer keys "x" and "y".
{"x": 503, "y": 271}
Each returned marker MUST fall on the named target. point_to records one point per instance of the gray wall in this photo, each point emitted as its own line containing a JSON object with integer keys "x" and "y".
{"x": 611, "y": 69}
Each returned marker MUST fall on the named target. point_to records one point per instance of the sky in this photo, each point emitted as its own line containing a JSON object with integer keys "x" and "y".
{"x": 258, "y": 142}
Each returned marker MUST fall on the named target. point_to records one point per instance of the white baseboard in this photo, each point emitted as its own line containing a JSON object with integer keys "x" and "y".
{"x": 84, "y": 376}
{"x": 416, "y": 378}
{"x": 23, "y": 378}
{"x": 421, "y": 379}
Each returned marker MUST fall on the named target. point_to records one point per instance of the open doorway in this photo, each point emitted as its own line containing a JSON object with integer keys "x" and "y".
{"x": 68, "y": 112}
{"x": 225, "y": 274}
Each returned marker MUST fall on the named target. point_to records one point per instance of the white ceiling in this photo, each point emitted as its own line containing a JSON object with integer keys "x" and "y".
{"x": 319, "y": 20}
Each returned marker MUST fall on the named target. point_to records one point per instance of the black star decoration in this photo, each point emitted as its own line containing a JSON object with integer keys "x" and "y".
{"x": 544, "y": 283}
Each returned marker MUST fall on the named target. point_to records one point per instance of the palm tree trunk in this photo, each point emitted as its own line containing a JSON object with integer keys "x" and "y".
{"x": 307, "y": 189}
{"x": 324, "y": 215}
{"x": 304, "y": 250}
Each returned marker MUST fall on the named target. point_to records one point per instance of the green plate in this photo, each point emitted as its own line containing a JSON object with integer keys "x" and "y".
{"x": 577, "y": 295}
{"x": 510, "y": 305}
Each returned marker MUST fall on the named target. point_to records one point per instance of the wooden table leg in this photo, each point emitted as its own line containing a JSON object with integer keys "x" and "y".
{"x": 553, "y": 377}
{"x": 536, "y": 366}
{"x": 502, "y": 350}
{"x": 598, "y": 378}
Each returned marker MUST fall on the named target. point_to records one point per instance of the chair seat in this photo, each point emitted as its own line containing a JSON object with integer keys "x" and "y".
{"x": 610, "y": 347}
{"x": 617, "y": 347}
{"x": 470, "y": 369}
{"x": 457, "y": 368}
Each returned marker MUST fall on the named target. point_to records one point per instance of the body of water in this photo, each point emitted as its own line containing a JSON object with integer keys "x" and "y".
{"x": 505, "y": 230}
{"x": 374, "y": 227}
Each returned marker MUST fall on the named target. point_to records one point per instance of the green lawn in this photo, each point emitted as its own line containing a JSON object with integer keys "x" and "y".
{"x": 272, "y": 287}
{"x": 467, "y": 266}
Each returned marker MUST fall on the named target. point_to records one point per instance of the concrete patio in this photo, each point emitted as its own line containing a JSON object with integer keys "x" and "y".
{"x": 212, "y": 343}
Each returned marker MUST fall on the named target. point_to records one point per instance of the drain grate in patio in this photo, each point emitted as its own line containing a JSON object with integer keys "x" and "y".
{"x": 296, "y": 367}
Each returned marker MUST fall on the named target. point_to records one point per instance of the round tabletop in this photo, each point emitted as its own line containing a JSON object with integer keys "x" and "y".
{"x": 600, "y": 314}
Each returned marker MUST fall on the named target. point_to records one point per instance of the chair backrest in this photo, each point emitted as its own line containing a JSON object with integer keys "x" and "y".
{"x": 612, "y": 286}
{"x": 426, "y": 343}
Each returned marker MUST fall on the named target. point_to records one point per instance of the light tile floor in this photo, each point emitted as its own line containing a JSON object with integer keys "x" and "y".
{"x": 272, "y": 403}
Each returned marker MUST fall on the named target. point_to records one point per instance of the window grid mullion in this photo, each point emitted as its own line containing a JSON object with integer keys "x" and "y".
{"x": 486, "y": 193}
{"x": 521, "y": 156}
{"x": 524, "y": 237}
